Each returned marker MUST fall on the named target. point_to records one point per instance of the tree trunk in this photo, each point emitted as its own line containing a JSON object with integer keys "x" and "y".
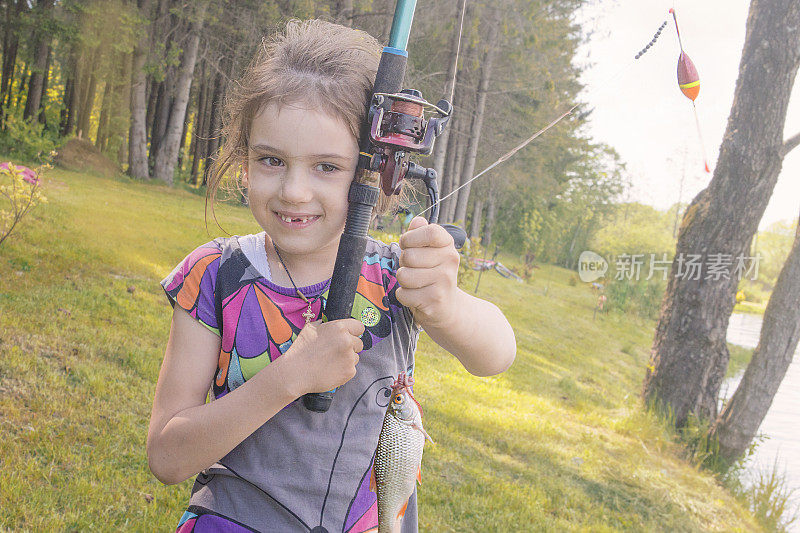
{"x": 10, "y": 47}
{"x": 122, "y": 104}
{"x": 477, "y": 124}
{"x": 448, "y": 174}
{"x": 38, "y": 70}
{"x": 458, "y": 169}
{"x": 37, "y": 79}
{"x": 440, "y": 149}
{"x": 344, "y": 15}
{"x": 137, "y": 138}
{"x": 14, "y": 99}
{"x": 490, "y": 215}
{"x": 101, "y": 141}
{"x": 43, "y": 97}
{"x": 184, "y": 132}
{"x": 198, "y": 140}
{"x": 454, "y": 162}
{"x": 160, "y": 118}
{"x": 70, "y": 93}
{"x": 152, "y": 102}
{"x": 215, "y": 124}
{"x": 477, "y": 219}
{"x": 740, "y": 419}
{"x": 86, "y": 108}
{"x": 689, "y": 355}
{"x": 87, "y": 85}
{"x": 568, "y": 260}
{"x": 167, "y": 155}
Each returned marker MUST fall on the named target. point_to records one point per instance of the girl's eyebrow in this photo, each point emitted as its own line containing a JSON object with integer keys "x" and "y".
{"x": 267, "y": 148}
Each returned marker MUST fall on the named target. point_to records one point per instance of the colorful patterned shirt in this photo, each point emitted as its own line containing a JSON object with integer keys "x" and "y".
{"x": 300, "y": 471}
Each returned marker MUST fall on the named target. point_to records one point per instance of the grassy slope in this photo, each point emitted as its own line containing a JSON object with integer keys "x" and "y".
{"x": 559, "y": 442}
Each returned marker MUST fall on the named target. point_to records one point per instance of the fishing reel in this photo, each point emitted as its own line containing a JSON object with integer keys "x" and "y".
{"x": 398, "y": 129}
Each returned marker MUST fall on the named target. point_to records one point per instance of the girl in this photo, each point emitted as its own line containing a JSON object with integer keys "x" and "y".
{"x": 246, "y": 310}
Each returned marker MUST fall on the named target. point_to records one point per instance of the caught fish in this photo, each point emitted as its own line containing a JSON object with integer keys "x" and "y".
{"x": 398, "y": 458}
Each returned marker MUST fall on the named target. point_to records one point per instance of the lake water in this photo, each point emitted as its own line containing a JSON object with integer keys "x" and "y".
{"x": 782, "y": 423}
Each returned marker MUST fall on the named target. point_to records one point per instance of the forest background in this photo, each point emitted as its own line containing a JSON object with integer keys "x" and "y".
{"x": 143, "y": 82}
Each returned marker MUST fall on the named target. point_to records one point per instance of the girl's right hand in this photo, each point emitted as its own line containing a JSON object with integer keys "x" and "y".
{"x": 325, "y": 354}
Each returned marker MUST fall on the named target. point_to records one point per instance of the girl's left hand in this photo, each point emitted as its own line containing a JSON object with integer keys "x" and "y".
{"x": 428, "y": 273}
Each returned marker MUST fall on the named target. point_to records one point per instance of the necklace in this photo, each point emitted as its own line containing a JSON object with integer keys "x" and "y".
{"x": 308, "y": 314}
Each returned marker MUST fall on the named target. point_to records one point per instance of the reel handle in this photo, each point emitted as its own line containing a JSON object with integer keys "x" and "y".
{"x": 457, "y": 233}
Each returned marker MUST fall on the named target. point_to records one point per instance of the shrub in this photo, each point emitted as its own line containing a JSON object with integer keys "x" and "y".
{"x": 640, "y": 297}
{"x": 19, "y": 187}
{"x": 771, "y": 500}
{"x": 27, "y": 140}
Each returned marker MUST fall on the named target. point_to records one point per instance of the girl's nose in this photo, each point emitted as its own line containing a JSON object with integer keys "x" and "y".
{"x": 295, "y": 186}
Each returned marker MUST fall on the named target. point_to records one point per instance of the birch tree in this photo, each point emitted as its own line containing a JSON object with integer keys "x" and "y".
{"x": 167, "y": 155}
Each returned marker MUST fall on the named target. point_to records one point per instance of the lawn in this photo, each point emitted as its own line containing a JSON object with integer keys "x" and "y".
{"x": 558, "y": 443}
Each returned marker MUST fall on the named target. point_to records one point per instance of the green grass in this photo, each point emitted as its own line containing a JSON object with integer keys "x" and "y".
{"x": 558, "y": 443}
{"x": 740, "y": 358}
{"x": 750, "y": 307}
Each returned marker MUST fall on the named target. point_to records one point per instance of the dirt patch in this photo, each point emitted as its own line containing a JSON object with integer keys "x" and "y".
{"x": 81, "y": 155}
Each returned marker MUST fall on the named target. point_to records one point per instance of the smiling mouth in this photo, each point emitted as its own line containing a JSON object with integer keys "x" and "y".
{"x": 298, "y": 220}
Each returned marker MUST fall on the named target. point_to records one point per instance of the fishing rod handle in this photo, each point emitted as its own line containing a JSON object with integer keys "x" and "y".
{"x": 364, "y": 191}
{"x": 362, "y": 199}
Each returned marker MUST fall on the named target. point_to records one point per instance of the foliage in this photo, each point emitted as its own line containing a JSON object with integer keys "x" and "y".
{"x": 27, "y": 140}
{"x": 634, "y": 228}
{"x": 772, "y": 247}
{"x": 641, "y": 297}
{"x": 771, "y": 500}
{"x": 20, "y": 191}
{"x": 557, "y": 227}
{"x": 768, "y": 496}
{"x": 740, "y": 358}
{"x": 466, "y": 276}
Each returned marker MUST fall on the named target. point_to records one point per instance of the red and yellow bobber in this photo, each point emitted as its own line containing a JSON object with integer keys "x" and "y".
{"x": 689, "y": 84}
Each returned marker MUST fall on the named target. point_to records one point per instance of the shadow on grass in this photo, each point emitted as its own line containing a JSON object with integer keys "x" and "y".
{"x": 513, "y": 471}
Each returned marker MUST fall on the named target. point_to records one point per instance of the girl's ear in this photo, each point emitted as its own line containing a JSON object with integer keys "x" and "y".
{"x": 245, "y": 170}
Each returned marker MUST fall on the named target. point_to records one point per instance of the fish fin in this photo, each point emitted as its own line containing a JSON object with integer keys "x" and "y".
{"x": 419, "y": 475}
{"x": 423, "y": 432}
{"x": 402, "y": 512}
{"x": 373, "y": 485}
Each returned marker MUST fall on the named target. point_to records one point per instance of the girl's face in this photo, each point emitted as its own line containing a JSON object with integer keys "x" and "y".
{"x": 298, "y": 171}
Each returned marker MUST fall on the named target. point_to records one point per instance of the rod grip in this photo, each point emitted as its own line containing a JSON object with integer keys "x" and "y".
{"x": 346, "y": 271}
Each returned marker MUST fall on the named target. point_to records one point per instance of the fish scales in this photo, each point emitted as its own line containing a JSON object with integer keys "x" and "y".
{"x": 397, "y": 462}
{"x": 398, "y": 456}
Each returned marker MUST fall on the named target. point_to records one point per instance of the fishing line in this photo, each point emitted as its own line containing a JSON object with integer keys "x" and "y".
{"x": 505, "y": 157}
{"x": 700, "y": 136}
{"x": 458, "y": 51}
{"x": 684, "y": 58}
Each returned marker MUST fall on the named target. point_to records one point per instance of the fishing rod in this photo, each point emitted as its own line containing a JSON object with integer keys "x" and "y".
{"x": 396, "y": 127}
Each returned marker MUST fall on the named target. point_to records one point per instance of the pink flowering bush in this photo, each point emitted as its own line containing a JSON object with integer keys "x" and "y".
{"x": 19, "y": 192}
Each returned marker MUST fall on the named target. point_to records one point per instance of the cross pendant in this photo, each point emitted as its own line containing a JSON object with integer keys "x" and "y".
{"x": 309, "y": 315}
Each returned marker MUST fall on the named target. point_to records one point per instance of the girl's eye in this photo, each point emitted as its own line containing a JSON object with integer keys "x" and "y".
{"x": 326, "y": 167}
{"x": 272, "y": 161}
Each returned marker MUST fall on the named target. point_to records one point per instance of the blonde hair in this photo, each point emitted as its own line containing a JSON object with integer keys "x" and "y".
{"x": 310, "y": 62}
